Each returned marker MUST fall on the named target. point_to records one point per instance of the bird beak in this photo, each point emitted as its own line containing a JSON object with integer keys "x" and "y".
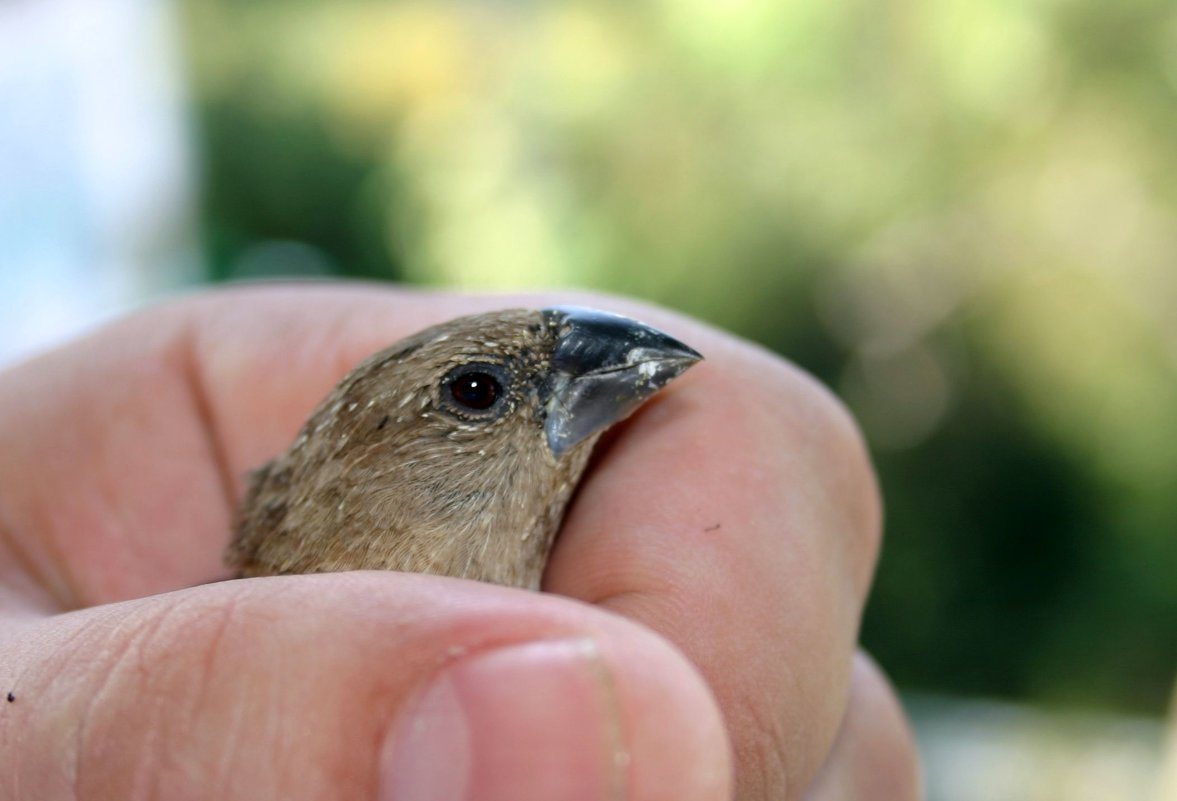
{"x": 604, "y": 366}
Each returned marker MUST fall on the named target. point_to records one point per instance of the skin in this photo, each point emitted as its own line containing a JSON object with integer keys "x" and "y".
{"x": 706, "y": 635}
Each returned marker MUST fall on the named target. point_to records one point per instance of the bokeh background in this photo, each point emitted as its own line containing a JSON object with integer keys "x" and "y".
{"x": 960, "y": 214}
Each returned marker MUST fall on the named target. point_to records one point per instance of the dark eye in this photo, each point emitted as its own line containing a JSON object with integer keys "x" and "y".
{"x": 475, "y": 390}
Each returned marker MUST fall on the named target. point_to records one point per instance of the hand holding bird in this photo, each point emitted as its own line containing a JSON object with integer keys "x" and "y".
{"x": 714, "y": 560}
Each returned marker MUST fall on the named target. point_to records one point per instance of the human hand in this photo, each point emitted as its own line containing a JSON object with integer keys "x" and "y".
{"x": 718, "y": 555}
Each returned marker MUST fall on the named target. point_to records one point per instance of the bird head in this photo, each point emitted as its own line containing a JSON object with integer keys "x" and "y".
{"x": 454, "y": 451}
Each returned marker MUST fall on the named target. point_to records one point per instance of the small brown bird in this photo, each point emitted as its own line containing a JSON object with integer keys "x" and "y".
{"x": 454, "y": 451}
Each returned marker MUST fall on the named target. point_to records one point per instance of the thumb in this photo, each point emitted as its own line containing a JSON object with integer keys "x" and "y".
{"x": 362, "y": 685}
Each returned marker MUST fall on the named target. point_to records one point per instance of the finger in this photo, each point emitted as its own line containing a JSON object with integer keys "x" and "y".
{"x": 737, "y": 515}
{"x": 874, "y": 755}
{"x": 354, "y": 686}
{"x": 109, "y": 476}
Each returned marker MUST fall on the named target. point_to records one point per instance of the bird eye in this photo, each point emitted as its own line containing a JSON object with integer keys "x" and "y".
{"x": 477, "y": 391}
{"x": 475, "y": 388}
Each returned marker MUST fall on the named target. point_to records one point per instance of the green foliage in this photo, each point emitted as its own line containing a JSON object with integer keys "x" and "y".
{"x": 274, "y": 176}
{"x": 961, "y": 215}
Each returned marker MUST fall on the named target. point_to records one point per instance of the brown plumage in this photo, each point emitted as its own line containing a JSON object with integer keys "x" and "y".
{"x": 454, "y": 451}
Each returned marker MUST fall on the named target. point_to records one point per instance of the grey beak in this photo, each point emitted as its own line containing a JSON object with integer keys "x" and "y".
{"x": 604, "y": 366}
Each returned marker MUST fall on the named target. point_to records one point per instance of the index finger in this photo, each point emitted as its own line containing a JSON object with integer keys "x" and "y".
{"x": 737, "y": 515}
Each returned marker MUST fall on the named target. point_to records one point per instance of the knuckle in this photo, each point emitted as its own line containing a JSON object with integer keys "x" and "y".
{"x": 136, "y": 735}
{"x": 821, "y": 431}
{"x": 764, "y": 771}
{"x": 886, "y": 759}
{"x": 853, "y": 482}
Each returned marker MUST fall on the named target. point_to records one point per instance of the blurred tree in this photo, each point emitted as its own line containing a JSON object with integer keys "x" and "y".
{"x": 961, "y": 215}
{"x": 273, "y": 178}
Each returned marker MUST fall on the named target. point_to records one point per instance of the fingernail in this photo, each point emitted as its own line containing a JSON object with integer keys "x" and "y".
{"x": 533, "y": 721}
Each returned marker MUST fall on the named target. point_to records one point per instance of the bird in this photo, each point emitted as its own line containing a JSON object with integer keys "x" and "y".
{"x": 454, "y": 451}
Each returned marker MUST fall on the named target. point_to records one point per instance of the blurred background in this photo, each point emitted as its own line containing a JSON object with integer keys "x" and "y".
{"x": 961, "y": 215}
